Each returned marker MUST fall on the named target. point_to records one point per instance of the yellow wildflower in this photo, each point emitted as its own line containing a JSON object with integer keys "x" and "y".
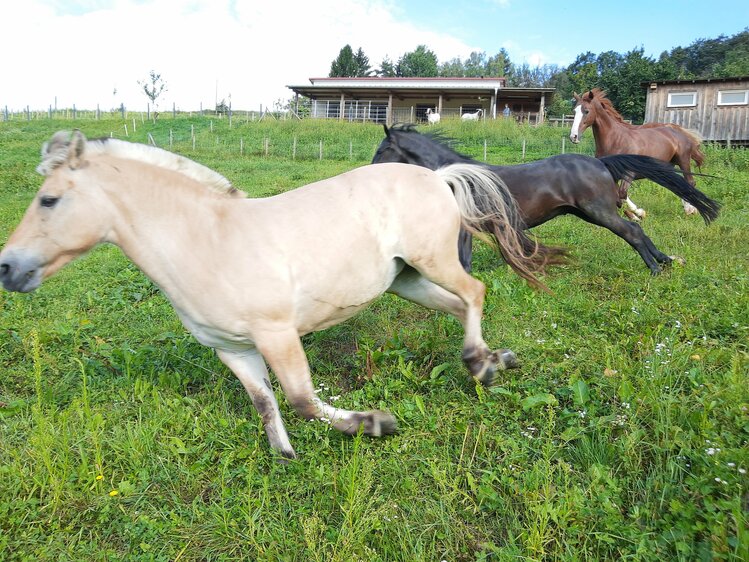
{"x": 113, "y": 493}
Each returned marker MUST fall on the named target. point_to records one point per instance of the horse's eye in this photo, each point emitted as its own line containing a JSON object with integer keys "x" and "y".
{"x": 48, "y": 201}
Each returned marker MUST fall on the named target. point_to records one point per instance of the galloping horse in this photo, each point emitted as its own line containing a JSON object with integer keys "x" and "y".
{"x": 248, "y": 277}
{"x": 569, "y": 183}
{"x": 472, "y": 116}
{"x": 613, "y": 135}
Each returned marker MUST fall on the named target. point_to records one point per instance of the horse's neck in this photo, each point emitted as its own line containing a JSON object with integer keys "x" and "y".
{"x": 605, "y": 130}
{"x": 156, "y": 223}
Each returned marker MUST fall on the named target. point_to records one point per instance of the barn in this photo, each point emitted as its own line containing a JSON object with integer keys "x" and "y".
{"x": 717, "y": 108}
{"x": 391, "y": 100}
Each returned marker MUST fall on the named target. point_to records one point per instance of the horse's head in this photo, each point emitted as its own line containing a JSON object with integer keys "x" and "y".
{"x": 62, "y": 222}
{"x": 585, "y": 115}
{"x": 403, "y": 143}
{"x": 389, "y": 149}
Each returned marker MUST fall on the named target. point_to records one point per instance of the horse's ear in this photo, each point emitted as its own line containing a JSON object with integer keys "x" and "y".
{"x": 75, "y": 149}
{"x": 387, "y": 131}
{"x": 576, "y": 96}
{"x": 590, "y": 95}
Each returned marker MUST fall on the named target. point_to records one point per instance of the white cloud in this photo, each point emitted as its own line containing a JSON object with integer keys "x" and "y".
{"x": 80, "y": 52}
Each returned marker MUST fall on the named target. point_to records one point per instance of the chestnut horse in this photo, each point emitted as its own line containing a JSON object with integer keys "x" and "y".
{"x": 248, "y": 277}
{"x": 613, "y": 135}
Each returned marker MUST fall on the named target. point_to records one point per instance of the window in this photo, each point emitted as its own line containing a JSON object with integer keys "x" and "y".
{"x": 733, "y": 97}
{"x": 682, "y": 99}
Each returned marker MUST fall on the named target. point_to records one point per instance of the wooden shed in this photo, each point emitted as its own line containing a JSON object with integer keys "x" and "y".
{"x": 717, "y": 108}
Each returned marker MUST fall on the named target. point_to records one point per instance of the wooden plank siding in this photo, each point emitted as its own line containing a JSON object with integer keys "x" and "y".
{"x": 719, "y": 123}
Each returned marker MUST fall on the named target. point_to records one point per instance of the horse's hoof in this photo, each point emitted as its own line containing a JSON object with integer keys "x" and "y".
{"x": 641, "y": 213}
{"x": 690, "y": 209}
{"x": 380, "y": 423}
{"x": 498, "y": 360}
{"x": 285, "y": 455}
{"x": 506, "y": 359}
{"x": 679, "y": 260}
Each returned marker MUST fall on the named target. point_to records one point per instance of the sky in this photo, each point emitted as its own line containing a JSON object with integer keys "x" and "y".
{"x": 91, "y": 53}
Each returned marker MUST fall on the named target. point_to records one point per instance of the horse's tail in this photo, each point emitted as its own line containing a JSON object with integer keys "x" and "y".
{"x": 626, "y": 165}
{"x": 695, "y": 141}
{"x": 697, "y": 155}
{"x": 489, "y": 211}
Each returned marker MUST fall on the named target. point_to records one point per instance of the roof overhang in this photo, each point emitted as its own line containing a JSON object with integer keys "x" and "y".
{"x": 648, "y": 83}
{"x": 411, "y": 88}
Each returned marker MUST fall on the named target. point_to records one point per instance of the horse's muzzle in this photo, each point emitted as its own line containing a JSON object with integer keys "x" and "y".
{"x": 575, "y": 139}
{"x": 20, "y": 272}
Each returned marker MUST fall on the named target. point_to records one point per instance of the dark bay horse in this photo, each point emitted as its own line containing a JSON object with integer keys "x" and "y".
{"x": 575, "y": 184}
{"x": 613, "y": 135}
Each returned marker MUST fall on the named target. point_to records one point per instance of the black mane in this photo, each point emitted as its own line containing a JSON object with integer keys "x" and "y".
{"x": 403, "y": 143}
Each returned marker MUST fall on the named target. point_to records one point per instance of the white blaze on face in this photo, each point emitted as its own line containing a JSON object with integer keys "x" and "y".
{"x": 574, "y": 136}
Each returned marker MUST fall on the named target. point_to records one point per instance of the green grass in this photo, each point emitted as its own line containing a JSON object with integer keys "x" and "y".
{"x": 623, "y": 435}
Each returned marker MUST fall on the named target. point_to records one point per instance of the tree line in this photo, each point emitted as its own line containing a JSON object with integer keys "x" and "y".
{"x": 619, "y": 74}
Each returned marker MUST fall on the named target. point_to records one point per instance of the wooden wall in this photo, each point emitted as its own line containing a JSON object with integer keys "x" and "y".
{"x": 713, "y": 122}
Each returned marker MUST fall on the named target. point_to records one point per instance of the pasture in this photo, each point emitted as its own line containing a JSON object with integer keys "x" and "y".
{"x": 623, "y": 435}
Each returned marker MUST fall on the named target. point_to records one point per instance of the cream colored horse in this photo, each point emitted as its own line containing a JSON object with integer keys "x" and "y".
{"x": 248, "y": 277}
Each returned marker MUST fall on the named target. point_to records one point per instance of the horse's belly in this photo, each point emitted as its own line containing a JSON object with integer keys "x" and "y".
{"x": 320, "y": 306}
{"x": 325, "y": 315}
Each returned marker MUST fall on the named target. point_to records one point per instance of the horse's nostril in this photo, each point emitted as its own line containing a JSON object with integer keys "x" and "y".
{"x": 4, "y": 269}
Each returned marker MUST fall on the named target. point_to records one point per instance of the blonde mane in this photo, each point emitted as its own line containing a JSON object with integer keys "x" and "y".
{"x": 56, "y": 152}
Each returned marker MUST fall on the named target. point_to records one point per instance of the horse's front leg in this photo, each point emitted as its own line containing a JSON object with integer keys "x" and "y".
{"x": 249, "y": 367}
{"x": 285, "y": 355}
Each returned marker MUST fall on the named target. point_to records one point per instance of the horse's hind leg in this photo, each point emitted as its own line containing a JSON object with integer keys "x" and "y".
{"x": 685, "y": 165}
{"x": 632, "y": 233}
{"x": 453, "y": 291}
{"x": 285, "y": 355}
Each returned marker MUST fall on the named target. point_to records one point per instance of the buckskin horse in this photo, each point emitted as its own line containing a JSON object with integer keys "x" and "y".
{"x": 575, "y": 184}
{"x": 248, "y": 277}
{"x": 665, "y": 141}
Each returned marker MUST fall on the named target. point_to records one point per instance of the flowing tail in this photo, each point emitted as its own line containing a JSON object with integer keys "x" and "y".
{"x": 489, "y": 211}
{"x": 625, "y": 165}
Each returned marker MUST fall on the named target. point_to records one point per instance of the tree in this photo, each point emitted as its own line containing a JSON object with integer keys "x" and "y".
{"x": 452, "y": 68}
{"x": 475, "y": 64}
{"x": 153, "y": 87}
{"x": 387, "y": 68}
{"x": 350, "y": 65}
{"x": 583, "y": 72}
{"x": 344, "y": 64}
{"x": 362, "y": 63}
{"x": 499, "y": 64}
{"x": 421, "y": 62}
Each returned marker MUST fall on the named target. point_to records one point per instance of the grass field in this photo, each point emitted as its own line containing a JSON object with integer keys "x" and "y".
{"x": 623, "y": 436}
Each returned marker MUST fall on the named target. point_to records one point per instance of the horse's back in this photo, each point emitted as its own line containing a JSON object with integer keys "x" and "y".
{"x": 333, "y": 246}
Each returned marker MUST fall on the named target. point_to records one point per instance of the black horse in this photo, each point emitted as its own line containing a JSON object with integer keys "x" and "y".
{"x": 569, "y": 183}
